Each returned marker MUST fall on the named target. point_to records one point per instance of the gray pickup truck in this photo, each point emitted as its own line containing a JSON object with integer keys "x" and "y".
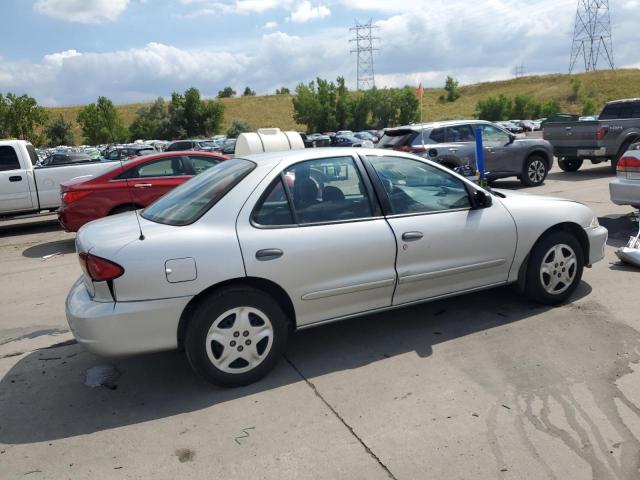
{"x": 605, "y": 139}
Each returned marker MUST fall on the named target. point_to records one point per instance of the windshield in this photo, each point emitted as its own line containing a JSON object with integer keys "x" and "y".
{"x": 187, "y": 203}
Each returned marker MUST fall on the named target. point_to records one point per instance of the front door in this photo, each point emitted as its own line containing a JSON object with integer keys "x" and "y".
{"x": 444, "y": 245}
{"x": 314, "y": 230}
{"x": 499, "y": 151}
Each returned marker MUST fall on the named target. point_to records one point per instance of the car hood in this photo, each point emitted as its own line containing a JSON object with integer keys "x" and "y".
{"x": 531, "y": 142}
{"x": 520, "y": 197}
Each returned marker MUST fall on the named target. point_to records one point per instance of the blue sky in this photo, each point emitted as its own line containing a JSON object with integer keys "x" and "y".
{"x": 70, "y": 51}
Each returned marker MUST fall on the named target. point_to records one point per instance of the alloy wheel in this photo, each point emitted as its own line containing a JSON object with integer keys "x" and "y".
{"x": 558, "y": 269}
{"x": 239, "y": 340}
{"x": 536, "y": 171}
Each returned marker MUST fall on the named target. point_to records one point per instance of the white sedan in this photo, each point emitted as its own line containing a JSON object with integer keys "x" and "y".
{"x": 227, "y": 264}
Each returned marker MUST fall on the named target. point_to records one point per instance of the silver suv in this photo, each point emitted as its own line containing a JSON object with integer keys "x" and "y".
{"x": 452, "y": 144}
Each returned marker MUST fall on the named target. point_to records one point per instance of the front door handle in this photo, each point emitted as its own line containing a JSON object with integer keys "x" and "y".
{"x": 269, "y": 254}
{"x": 15, "y": 178}
{"x": 453, "y": 150}
{"x": 143, "y": 185}
{"x": 409, "y": 236}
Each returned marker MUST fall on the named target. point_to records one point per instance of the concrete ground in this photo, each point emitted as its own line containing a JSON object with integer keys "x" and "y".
{"x": 482, "y": 386}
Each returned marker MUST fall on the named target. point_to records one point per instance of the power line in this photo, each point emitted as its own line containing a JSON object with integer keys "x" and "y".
{"x": 592, "y": 35}
{"x": 364, "y": 40}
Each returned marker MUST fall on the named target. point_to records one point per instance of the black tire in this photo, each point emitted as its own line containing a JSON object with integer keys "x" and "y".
{"x": 208, "y": 312}
{"x": 568, "y": 164}
{"x": 534, "y": 171}
{"x": 129, "y": 207}
{"x": 537, "y": 286}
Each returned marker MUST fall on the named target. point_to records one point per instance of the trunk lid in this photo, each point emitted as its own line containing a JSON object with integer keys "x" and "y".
{"x": 572, "y": 134}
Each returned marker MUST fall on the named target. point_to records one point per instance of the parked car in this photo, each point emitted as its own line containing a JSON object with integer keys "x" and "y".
{"x": 366, "y": 136}
{"x": 127, "y": 152}
{"x": 625, "y": 189}
{"x": 199, "y": 145}
{"x": 452, "y": 144}
{"x": 231, "y": 261}
{"x": 229, "y": 146}
{"x": 27, "y": 187}
{"x": 315, "y": 140}
{"x": 66, "y": 159}
{"x": 129, "y": 186}
{"x": 605, "y": 139}
{"x": 349, "y": 141}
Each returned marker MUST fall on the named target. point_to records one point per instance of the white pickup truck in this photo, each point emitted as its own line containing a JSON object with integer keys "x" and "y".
{"x": 28, "y": 188}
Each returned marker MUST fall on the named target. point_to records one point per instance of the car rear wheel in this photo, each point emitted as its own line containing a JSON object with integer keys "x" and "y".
{"x": 235, "y": 336}
{"x": 535, "y": 171}
{"x": 554, "y": 269}
{"x": 568, "y": 164}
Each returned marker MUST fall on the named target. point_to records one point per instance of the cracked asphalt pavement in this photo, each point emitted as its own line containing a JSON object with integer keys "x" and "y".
{"x": 482, "y": 386}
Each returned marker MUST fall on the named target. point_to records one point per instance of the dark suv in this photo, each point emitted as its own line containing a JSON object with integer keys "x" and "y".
{"x": 452, "y": 144}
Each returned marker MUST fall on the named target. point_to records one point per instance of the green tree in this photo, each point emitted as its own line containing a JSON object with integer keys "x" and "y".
{"x": 549, "y": 108}
{"x": 452, "y": 89}
{"x": 343, "y": 110}
{"x": 248, "y": 92}
{"x": 494, "y": 108}
{"x": 59, "y": 132}
{"x": 100, "y": 123}
{"x": 151, "y": 122}
{"x": 283, "y": 91}
{"x": 588, "y": 107}
{"x": 4, "y": 108}
{"x": 576, "y": 88}
{"x": 22, "y": 115}
{"x": 190, "y": 116}
{"x": 227, "y": 92}
{"x": 237, "y": 127}
{"x": 210, "y": 117}
{"x": 384, "y": 109}
{"x": 408, "y": 106}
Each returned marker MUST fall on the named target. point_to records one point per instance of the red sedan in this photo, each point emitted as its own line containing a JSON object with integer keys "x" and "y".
{"x": 129, "y": 185}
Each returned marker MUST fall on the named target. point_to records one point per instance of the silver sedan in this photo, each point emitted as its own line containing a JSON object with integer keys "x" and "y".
{"x": 226, "y": 265}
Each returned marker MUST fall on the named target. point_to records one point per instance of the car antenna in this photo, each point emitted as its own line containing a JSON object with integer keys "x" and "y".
{"x": 135, "y": 211}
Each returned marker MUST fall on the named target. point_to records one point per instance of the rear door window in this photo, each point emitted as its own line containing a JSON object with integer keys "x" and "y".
{"x": 165, "y": 167}
{"x": 201, "y": 163}
{"x": 459, "y": 134}
{"x": 8, "y": 159}
{"x": 437, "y": 135}
{"x": 610, "y": 112}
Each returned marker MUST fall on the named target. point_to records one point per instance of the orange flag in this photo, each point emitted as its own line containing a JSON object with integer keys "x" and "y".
{"x": 419, "y": 90}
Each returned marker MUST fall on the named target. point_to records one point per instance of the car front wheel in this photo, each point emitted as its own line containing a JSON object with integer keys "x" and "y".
{"x": 535, "y": 171}
{"x": 555, "y": 268}
{"x": 236, "y": 336}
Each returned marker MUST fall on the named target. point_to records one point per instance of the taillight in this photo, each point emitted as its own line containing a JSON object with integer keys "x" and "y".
{"x": 628, "y": 165}
{"x": 410, "y": 149}
{"x": 601, "y": 132}
{"x": 74, "y": 195}
{"x": 99, "y": 269}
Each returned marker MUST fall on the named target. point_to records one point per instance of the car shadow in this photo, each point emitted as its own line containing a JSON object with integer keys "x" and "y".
{"x": 50, "y": 248}
{"x": 620, "y": 227}
{"x": 603, "y": 171}
{"x": 10, "y": 228}
{"x": 44, "y": 397}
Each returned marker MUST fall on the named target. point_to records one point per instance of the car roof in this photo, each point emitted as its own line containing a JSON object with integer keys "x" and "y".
{"x": 147, "y": 158}
{"x": 624, "y": 100}
{"x": 439, "y": 124}
{"x": 289, "y": 157}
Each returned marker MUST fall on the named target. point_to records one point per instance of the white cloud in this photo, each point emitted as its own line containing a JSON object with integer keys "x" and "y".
{"x": 242, "y": 7}
{"x": 270, "y": 25}
{"x": 305, "y": 11}
{"x": 82, "y": 11}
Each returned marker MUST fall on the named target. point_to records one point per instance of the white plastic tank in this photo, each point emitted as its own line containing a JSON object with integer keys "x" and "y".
{"x": 267, "y": 140}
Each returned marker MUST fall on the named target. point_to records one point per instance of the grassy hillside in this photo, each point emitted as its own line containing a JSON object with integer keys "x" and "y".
{"x": 277, "y": 110}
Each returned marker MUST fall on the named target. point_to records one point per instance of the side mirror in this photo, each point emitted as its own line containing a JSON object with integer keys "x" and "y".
{"x": 482, "y": 199}
{"x": 512, "y": 138}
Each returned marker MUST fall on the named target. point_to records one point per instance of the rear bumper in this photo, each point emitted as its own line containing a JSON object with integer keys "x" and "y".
{"x": 70, "y": 220}
{"x": 597, "y": 240}
{"x": 123, "y": 328}
{"x": 580, "y": 152}
{"x": 625, "y": 192}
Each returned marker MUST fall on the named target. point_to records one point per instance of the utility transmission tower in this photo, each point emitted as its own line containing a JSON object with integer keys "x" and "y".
{"x": 592, "y": 35}
{"x": 518, "y": 71}
{"x": 364, "y": 40}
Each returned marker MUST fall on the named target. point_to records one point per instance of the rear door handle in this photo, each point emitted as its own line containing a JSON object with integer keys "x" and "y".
{"x": 409, "y": 236}
{"x": 15, "y": 178}
{"x": 143, "y": 185}
{"x": 269, "y": 254}
{"x": 453, "y": 149}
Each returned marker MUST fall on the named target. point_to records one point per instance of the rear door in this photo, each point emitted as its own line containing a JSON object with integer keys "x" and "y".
{"x": 314, "y": 230}
{"x": 15, "y": 192}
{"x": 151, "y": 180}
{"x": 464, "y": 143}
